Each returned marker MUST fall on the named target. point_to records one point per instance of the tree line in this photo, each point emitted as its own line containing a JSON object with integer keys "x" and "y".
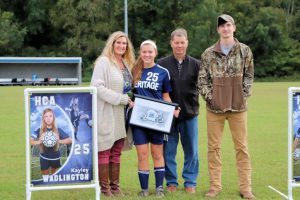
{"x": 80, "y": 28}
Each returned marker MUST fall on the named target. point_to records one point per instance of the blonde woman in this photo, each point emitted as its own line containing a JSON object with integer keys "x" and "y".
{"x": 113, "y": 80}
{"x": 49, "y": 155}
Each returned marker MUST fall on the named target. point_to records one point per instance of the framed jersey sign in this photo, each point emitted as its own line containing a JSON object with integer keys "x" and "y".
{"x": 152, "y": 113}
{"x": 61, "y": 142}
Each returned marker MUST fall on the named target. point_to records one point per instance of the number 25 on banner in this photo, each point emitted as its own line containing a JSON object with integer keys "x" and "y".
{"x": 82, "y": 149}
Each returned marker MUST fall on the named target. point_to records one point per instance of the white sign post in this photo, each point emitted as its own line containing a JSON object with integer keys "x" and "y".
{"x": 61, "y": 139}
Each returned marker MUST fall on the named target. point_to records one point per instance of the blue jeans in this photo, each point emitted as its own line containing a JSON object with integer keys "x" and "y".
{"x": 188, "y": 131}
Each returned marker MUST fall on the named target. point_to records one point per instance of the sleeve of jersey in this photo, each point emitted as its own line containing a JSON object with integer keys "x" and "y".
{"x": 62, "y": 134}
{"x": 166, "y": 87}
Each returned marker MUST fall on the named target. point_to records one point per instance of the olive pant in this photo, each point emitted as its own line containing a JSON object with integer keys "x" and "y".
{"x": 238, "y": 126}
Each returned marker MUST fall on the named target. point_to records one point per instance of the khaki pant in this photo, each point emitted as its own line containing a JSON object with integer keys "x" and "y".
{"x": 238, "y": 127}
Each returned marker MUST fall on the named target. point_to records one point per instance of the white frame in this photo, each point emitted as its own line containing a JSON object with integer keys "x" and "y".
{"x": 143, "y": 105}
{"x": 95, "y": 183}
{"x": 291, "y": 182}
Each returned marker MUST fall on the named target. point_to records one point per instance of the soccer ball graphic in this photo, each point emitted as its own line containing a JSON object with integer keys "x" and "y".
{"x": 49, "y": 139}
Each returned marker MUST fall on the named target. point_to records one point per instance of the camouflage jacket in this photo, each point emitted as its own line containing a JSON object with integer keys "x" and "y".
{"x": 225, "y": 81}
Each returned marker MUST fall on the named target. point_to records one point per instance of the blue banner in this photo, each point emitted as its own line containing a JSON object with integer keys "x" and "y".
{"x": 296, "y": 136}
{"x": 61, "y": 138}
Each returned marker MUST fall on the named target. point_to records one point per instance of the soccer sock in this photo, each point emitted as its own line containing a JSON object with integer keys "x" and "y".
{"x": 159, "y": 177}
{"x": 144, "y": 179}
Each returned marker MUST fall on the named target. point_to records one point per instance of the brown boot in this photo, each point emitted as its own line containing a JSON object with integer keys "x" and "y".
{"x": 247, "y": 195}
{"x": 114, "y": 176}
{"x": 212, "y": 193}
{"x": 103, "y": 179}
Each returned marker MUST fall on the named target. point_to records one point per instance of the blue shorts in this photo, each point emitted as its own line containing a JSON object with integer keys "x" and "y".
{"x": 145, "y": 136}
{"x": 50, "y": 159}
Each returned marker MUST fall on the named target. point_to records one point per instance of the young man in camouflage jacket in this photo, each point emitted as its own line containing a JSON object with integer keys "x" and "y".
{"x": 225, "y": 81}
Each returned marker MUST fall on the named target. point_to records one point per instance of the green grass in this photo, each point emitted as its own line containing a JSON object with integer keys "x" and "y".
{"x": 267, "y": 127}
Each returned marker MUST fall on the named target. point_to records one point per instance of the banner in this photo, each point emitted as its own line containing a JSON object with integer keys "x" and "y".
{"x": 293, "y": 142}
{"x": 296, "y": 136}
{"x": 61, "y": 137}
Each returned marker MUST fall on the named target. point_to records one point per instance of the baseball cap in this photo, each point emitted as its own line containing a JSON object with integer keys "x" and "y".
{"x": 224, "y": 18}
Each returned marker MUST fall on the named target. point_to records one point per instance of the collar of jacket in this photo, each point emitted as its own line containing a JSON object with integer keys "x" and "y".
{"x": 217, "y": 46}
{"x": 185, "y": 57}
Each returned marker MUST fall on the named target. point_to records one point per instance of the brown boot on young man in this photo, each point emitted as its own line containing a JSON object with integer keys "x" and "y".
{"x": 247, "y": 195}
{"x": 114, "y": 176}
{"x": 103, "y": 179}
{"x": 212, "y": 193}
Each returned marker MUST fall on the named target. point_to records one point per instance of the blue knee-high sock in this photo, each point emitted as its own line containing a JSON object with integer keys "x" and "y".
{"x": 159, "y": 177}
{"x": 144, "y": 179}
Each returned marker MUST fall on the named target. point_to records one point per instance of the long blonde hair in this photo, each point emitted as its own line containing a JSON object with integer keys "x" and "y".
{"x": 139, "y": 64}
{"x": 108, "y": 50}
{"x": 43, "y": 128}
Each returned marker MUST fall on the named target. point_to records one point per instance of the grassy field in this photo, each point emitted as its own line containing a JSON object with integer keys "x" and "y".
{"x": 267, "y": 126}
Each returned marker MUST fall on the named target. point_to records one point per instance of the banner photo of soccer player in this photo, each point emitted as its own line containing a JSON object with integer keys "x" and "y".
{"x": 61, "y": 137}
{"x": 296, "y": 136}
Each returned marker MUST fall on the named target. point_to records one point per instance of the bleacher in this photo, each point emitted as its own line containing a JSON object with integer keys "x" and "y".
{"x": 38, "y": 81}
{"x": 40, "y": 71}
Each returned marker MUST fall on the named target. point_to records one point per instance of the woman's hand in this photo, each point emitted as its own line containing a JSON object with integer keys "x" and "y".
{"x": 176, "y": 112}
{"x": 130, "y": 103}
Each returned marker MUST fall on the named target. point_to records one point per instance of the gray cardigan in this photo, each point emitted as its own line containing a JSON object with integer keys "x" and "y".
{"x": 108, "y": 79}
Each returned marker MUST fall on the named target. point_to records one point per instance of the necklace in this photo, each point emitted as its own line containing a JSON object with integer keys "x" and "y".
{"x": 120, "y": 64}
